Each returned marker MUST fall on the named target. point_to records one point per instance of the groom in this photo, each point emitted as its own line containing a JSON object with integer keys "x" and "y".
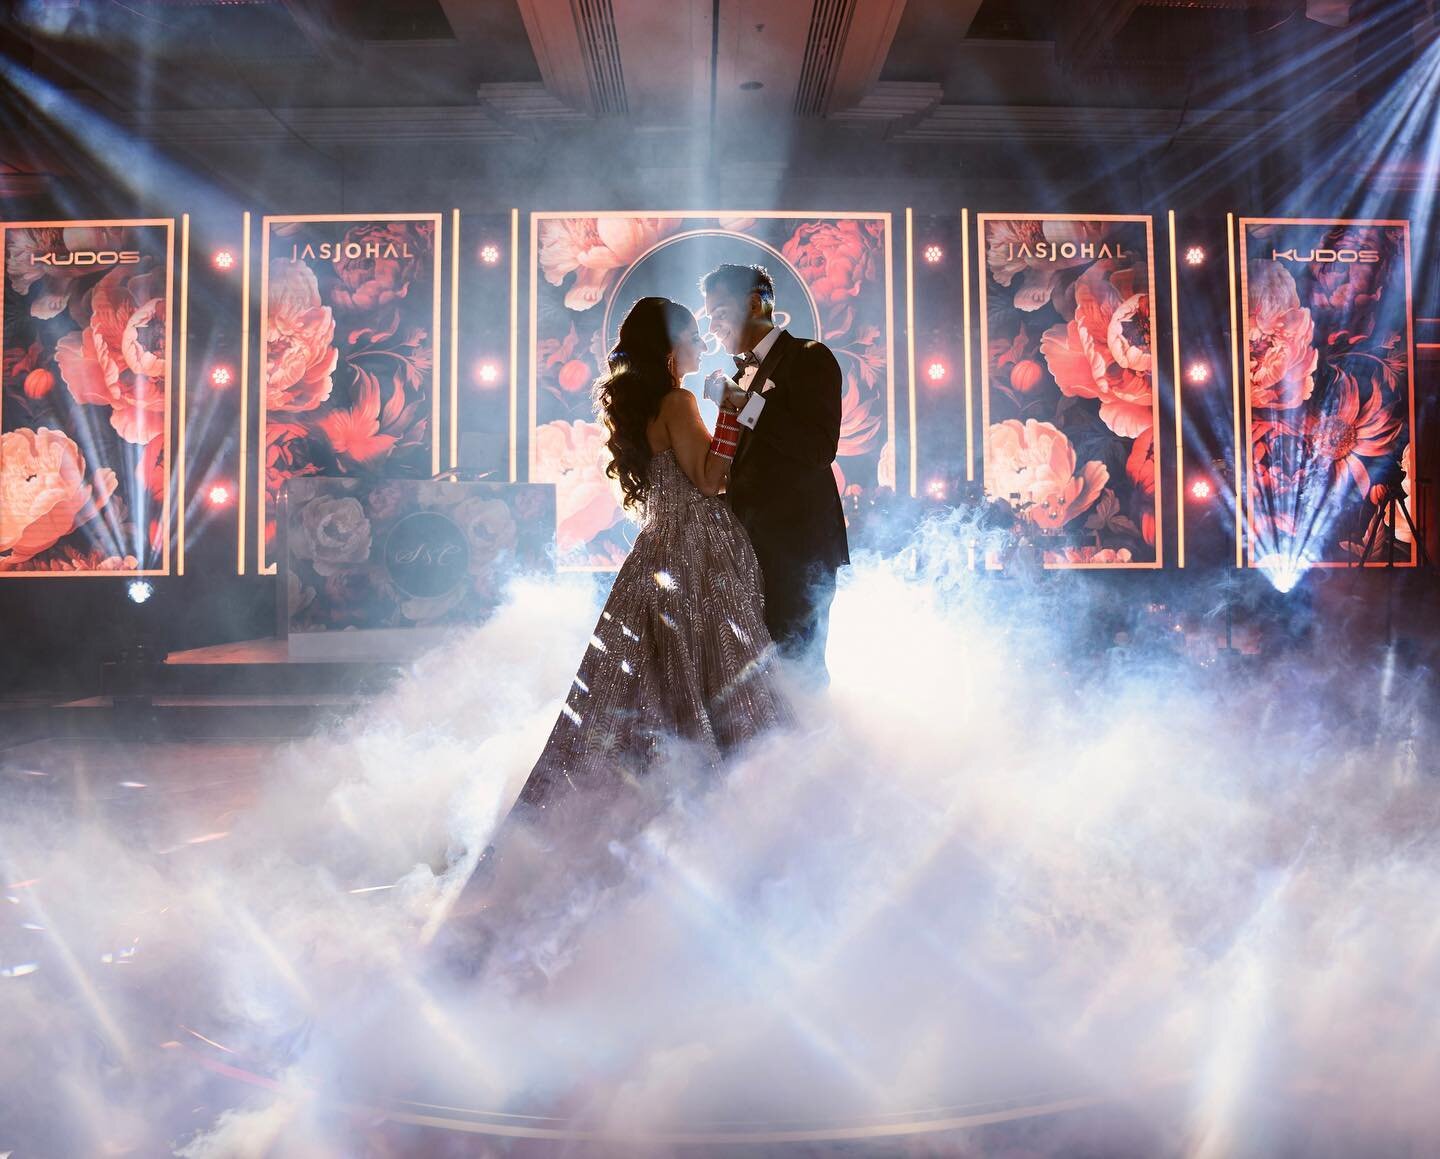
{"x": 781, "y": 484}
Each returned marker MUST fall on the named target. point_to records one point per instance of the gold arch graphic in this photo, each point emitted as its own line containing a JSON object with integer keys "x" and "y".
{"x": 510, "y": 1125}
{"x": 689, "y": 233}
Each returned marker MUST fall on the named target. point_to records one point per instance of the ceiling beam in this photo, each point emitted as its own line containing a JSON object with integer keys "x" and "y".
{"x": 1085, "y": 29}
{"x": 872, "y": 32}
{"x": 555, "y": 40}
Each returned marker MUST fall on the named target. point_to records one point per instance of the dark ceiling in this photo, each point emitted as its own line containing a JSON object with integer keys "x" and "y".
{"x": 340, "y": 76}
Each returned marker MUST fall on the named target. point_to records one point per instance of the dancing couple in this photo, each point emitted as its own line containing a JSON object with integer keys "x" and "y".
{"x": 741, "y": 535}
{"x": 742, "y": 532}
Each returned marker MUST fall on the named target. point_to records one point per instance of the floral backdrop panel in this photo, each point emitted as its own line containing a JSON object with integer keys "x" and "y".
{"x": 833, "y": 281}
{"x": 350, "y": 313}
{"x": 1328, "y": 398}
{"x": 1069, "y": 403}
{"x": 392, "y": 553}
{"x": 85, "y": 402}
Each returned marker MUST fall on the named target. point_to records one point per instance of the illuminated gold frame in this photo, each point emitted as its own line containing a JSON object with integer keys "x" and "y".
{"x": 454, "y": 339}
{"x": 1175, "y": 376}
{"x": 437, "y": 273}
{"x": 172, "y": 390}
{"x": 1385, "y": 223}
{"x": 910, "y": 346}
{"x": 983, "y": 219}
{"x": 180, "y": 459}
{"x": 686, "y": 214}
{"x": 241, "y": 486}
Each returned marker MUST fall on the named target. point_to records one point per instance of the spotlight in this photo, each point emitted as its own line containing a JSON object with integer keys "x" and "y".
{"x": 1195, "y": 255}
{"x": 487, "y": 373}
{"x": 1283, "y": 571}
{"x": 1198, "y": 373}
{"x": 1200, "y": 489}
{"x": 935, "y": 488}
{"x": 489, "y": 254}
{"x": 139, "y": 591}
{"x": 933, "y": 254}
{"x": 223, "y": 260}
{"x": 219, "y": 495}
{"x": 935, "y": 372}
{"x": 221, "y": 376}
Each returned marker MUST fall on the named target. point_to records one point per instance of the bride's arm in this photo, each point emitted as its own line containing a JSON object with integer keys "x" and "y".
{"x": 691, "y": 441}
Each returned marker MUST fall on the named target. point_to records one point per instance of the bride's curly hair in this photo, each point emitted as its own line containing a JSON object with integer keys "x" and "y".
{"x": 628, "y": 398}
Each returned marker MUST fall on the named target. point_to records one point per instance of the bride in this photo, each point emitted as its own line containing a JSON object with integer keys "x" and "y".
{"x": 681, "y": 656}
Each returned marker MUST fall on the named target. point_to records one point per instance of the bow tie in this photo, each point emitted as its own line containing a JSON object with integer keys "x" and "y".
{"x": 744, "y": 360}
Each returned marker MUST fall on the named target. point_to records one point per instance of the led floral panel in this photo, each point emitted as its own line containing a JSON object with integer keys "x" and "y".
{"x": 1328, "y": 353}
{"x": 86, "y": 399}
{"x": 349, "y": 383}
{"x": 1069, "y": 402}
{"x": 832, "y": 275}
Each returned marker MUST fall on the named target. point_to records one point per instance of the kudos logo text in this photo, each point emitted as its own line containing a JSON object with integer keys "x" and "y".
{"x": 88, "y": 258}
{"x": 1326, "y": 257}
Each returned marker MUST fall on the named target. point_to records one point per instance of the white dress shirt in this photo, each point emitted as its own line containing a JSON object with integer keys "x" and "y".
{"x": 750, "y": 413}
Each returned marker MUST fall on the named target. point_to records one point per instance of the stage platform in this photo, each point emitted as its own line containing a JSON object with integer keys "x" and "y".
{"x": 247, "y": 688}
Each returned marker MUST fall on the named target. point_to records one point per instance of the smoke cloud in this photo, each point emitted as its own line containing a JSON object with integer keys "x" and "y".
{"x": 1058, "y": 897}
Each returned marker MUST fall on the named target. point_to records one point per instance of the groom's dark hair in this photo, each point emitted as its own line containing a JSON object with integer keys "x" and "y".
{"x": 742, "y": 281}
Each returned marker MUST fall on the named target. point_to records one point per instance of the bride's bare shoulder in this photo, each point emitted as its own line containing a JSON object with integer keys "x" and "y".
{"x": 679, "y": 402}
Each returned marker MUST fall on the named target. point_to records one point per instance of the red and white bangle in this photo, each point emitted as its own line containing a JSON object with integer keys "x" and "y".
{"x": 727, "y": 436}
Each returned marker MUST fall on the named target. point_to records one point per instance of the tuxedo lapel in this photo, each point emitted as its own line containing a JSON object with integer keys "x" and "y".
{"x": 772, "y": 362}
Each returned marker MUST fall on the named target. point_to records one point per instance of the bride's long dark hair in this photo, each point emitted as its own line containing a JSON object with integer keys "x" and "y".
{"x": 641, "y": 375}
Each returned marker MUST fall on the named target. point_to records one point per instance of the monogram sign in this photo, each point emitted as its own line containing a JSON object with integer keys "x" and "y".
{"x": 426, "y": 554}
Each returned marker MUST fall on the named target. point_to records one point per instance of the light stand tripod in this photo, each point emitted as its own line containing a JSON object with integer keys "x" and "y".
{"x": 1392, "y": 500}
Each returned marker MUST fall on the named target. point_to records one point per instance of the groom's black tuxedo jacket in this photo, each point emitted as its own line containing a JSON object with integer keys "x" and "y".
{"x": 781, "y": 485}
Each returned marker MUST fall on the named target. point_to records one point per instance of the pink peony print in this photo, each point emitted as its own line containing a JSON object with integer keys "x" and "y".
{"x": 1281, "y": 362}
{"x": 595, "y": 249}
{"x": 300, "y": 353}
{"x": 118, "y": 358}
{"x": 573, "y": 456}
{"x": 1033, "y": 465}
{"x": 44, "y": 492}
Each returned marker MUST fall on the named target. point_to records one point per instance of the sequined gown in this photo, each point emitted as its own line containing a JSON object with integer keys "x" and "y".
{"x": 681, "y": 652}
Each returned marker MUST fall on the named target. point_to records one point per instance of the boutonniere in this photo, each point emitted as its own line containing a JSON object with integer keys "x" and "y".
{"x": 747, "y": 377}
